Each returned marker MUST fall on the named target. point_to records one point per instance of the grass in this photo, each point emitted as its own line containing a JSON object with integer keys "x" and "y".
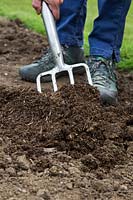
{"x": 24, "y": 11}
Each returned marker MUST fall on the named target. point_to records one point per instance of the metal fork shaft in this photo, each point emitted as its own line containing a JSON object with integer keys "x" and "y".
{"x": 52, "y": 35}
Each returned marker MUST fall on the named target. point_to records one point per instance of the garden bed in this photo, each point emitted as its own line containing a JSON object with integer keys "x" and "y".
{"x": 62, "y": 145}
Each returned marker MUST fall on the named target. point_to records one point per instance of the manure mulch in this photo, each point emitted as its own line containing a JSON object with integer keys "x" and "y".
{"x": 71, "y": 120}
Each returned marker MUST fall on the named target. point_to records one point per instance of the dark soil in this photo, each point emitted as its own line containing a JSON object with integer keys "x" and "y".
{"x": 63, "y": 145}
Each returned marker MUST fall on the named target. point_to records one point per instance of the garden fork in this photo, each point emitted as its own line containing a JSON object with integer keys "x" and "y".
{"x": 55, "y": 46}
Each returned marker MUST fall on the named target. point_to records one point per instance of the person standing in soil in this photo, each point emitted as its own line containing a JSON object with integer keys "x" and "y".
{"x": 105, "y": 42}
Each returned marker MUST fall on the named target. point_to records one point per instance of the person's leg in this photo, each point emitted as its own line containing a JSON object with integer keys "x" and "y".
{"x": 105, "y": 42}
{"x": 107, "y": 35}
{"x": 70, "y": 31}
{"x": 71, "y": 24}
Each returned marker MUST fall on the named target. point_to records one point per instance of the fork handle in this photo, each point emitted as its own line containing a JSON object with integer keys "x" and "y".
{"x": 52, "y": 35}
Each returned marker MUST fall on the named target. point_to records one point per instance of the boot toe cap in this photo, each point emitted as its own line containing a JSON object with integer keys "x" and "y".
{"x": 28, "y": 73}
{"x": 108, "y": 97}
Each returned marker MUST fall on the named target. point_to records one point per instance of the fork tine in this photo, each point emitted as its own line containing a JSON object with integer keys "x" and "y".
{"x": 54, "y": 82}
{"x": 38, "y": 82}
{"x": 70, "y": 72}
{"x": 88, "y": 74}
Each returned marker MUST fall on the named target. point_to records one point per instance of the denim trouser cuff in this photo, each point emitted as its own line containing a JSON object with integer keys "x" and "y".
{"x": 105, "y": 53}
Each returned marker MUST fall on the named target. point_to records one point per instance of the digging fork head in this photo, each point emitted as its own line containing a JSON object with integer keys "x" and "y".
{"x": 54, "y": 43}
{"x": 69, "y": 68}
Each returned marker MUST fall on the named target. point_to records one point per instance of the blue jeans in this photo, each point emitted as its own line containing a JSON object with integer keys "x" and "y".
{"x": 106, "y": 38}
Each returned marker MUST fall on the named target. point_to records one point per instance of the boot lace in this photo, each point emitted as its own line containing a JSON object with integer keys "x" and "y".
{"x": 102, "y": 71}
